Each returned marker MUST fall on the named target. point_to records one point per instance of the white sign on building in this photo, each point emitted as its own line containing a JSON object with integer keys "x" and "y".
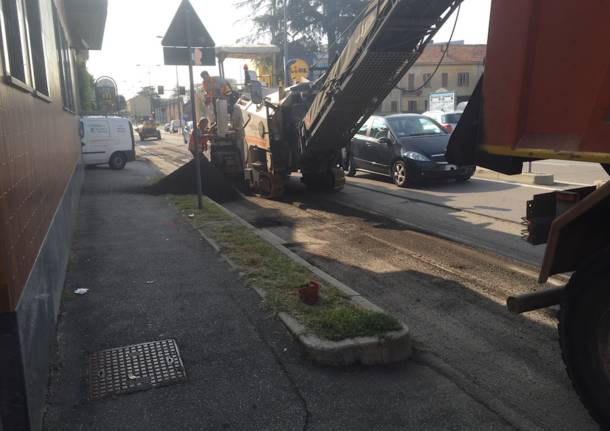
{"x": 442, "y": 101}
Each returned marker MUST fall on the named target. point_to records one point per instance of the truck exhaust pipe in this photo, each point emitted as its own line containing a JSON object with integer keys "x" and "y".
{"x": 536, "y": 300}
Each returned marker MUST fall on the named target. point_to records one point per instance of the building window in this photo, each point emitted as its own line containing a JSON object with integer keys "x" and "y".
{"x": 411, "y": 81}
{"x": 65, "y": 64}
{"x": 463, "y": 80}
{"x": 15, "y": 40}
{"x": 394, "y": 106}
{"x": 445, "y": 80}
{"x": 427, "y": 80}
{"x": 412, "y": 106}
{"x": 24, "y": 58}
{"x": 39, "y": 68}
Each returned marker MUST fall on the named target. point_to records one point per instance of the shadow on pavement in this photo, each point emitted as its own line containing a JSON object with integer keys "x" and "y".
{"x": 442, "y": 185}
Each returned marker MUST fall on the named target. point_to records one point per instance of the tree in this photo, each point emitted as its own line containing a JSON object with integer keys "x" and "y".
{"x": 151, "y": 92}
{"x": 86, "y": 87}
{"x": 312, "y": 22}
{"x": 332, "y": 20}
{"x": 122, "y": 103}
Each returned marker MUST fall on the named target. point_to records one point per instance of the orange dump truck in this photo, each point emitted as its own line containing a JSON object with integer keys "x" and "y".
{"x": 546, "y": 95}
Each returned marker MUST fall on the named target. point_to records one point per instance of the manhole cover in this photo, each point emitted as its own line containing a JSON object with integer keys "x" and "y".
{"x": 134, "y": 368}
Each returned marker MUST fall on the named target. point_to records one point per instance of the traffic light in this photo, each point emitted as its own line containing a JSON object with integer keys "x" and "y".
{"x": 160, "y": 90}
{"x": 182, "y": 91}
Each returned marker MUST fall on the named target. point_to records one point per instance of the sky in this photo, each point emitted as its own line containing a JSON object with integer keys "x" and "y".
{"x": 132, "y": 53}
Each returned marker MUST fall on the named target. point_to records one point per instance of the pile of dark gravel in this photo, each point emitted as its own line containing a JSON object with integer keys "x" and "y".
{"x": 182, "y": 182}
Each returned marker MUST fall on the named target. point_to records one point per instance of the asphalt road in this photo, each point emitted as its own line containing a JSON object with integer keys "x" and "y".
{"x": 443, "y": 258}
{"x": 481, "y": 212}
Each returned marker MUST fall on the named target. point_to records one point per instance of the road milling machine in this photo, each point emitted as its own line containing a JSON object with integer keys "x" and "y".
{"x": 307, "y": 127}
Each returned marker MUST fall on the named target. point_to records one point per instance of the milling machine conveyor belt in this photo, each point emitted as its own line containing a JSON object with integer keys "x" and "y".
{"x": 387, "y": 41}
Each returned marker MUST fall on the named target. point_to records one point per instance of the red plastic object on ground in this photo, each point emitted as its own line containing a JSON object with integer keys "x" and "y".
{"x": 310, "y": 293}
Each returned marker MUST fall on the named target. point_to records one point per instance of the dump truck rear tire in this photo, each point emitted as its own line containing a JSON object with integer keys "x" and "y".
{"x": 584, "y": 334}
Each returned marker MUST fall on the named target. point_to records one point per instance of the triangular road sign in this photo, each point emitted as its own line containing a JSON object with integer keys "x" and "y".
{"x": 176, "y": 35}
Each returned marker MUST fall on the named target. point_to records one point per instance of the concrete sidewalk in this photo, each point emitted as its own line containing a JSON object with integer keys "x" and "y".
{"x": 151, "y": 277}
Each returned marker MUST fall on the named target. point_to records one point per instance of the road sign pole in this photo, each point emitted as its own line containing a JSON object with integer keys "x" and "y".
{"x": 194, "y": 113}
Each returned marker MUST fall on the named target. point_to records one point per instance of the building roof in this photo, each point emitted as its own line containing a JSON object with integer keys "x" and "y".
{"x": 457, "y": 54}
{"x": 86, "y": 22}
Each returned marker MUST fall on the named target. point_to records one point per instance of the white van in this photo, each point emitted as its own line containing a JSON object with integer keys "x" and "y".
{"x": 107, "y": 140}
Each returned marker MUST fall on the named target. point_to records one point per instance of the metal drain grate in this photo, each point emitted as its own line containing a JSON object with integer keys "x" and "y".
{"x": 134, "y": 368}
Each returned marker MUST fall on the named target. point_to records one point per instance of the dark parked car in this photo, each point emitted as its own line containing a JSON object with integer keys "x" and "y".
{"x": 408, "y": 147}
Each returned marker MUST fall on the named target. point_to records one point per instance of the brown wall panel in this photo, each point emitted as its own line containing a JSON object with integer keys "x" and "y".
{"x": 39, "y": 147}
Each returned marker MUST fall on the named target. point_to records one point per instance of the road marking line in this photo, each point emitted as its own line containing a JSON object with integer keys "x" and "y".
{"x": 430, "y": 262}
{"x": 515, "y": 183}
{"x": 552, "y": 280}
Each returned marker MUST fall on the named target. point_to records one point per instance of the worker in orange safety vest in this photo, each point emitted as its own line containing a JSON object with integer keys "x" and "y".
{"x": 215, "y": 88}
{"x": 200, "y": 143}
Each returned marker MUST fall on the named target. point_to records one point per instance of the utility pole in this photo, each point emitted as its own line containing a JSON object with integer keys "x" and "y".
{"x": 193, "y": 112}
{"x": 179, "y": 98}
{"x": 184, "y": 33}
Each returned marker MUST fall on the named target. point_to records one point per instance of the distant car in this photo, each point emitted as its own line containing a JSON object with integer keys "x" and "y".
{"x": 167, "y": 127}
{"x": 407, "y": 147}
{"x": 447, "y": 119}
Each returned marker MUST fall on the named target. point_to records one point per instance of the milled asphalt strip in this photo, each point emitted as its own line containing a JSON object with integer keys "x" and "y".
{"x": 426, "y": 230}
{"x": 559, "y": 280}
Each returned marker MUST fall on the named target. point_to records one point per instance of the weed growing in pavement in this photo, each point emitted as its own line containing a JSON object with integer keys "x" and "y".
{"x": 334, "y": 317}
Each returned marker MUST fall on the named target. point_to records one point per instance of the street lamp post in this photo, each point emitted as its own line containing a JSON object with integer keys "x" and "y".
{"x": 179, "y": 98}
{"x": 285, "y": 43}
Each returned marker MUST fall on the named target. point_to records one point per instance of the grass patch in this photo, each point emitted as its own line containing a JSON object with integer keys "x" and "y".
{"x": 334, "y": 317}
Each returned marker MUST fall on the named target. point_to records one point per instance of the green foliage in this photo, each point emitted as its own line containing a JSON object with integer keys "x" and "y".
{"x": 349, "y": 322}
{"x": 86, "y": 87}
{"x": 151, "y": 92}
{"x": 312, "y": 22}
{"x": 122, "y": 103}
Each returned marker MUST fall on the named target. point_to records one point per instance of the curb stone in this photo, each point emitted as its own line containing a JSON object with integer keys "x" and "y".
{"x": 391, "y": 347}
{"x": 524, "y": 178}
